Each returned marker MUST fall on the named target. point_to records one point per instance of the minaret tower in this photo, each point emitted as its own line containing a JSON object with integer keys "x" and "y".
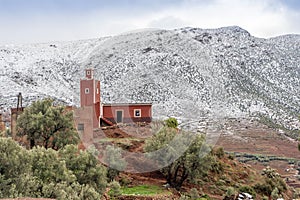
{"x": 90, "y": 95}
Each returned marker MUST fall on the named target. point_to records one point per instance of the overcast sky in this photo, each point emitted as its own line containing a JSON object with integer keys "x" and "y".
{"x": 32, "y": 21}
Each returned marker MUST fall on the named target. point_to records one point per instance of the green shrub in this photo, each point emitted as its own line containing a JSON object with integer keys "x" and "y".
{"x": 184, "y": 197}
{"x": 124, "y": 181}
{"x": 248, "y": 189}
{"x": 205, "y": 196}
{"x": 221, "y": 182}
{"x": 275, "y": 193}
{"x": 265, "y": 189}
{"x": 265, "y": 198}
{"x": 171, "y": 122}
{"x": 230, "y": 193}
{"x": 217, "y": 167}
{"x": 272, "y": 181}
{"x": 194, "y": 194}
{"x": 231, "y": 156}
{"x": 219, "y": 152}
{"x": 115, "y": 189}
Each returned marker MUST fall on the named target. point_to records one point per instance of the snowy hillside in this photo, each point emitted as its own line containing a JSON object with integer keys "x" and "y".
{"x": 189, "y": 73}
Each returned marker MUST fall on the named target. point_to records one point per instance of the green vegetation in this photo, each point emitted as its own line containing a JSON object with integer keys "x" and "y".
{"x": 85, "y": 167}
{"x": 6, "y": 133}
{"x": 248, "y": 189}
{"x": 39, "y": 172}
{"x": 194, "y": 162}
{"x": 272, "y": 185}
{"x": 46, "y": 125}
{"x": 230, "y": 194}
{"x": 144, "y": 190}
{"x": 219, "y": 152}
{"x": 193, "y": 194}
{"x": 53, "y": 169}
{"x": 246, "y": 157}
{"x": 115, "y": 189}
{"x": 171, "y": 122}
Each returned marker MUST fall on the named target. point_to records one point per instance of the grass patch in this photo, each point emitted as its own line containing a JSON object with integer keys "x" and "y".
{"x": 147, "y": 190}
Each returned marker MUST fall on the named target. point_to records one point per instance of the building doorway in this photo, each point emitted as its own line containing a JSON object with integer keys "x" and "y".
{"x": 119, "y": 116}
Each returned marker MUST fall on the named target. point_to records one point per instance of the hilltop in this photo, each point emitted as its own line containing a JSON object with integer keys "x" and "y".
{"x": 188, "y": 73}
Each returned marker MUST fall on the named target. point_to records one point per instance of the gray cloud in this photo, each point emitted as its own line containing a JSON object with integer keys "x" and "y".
{"x": 168, "y": 22}
{"x": 262, "y": 18}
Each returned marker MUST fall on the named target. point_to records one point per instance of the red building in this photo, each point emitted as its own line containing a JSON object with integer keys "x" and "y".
{"x": 127, "y": 113}
{"x": 90, "y": 95}
{"x": 109, "y": 114}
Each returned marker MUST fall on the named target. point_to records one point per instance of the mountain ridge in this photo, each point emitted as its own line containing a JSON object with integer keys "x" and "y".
{"x": 188, "y": 73}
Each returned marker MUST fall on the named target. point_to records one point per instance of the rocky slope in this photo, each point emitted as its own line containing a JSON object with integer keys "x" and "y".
{"x": 188, "y": 73}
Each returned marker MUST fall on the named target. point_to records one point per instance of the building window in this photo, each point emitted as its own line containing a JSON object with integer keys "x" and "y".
{"x": 137, "y": 112}
{"x": 88, "y": 72}
{"x": 97, "y": 90}
{"x": 87, "y": 90}
{"x": 80, "y": 127}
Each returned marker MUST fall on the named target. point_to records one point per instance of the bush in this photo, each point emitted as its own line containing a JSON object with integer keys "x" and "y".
{"x": 219, "y": 152}
{"x": 275, "y": 193}
{"x": 124, "y": 181}
{"x": 263, "y": 189}
{"x": 184, "y": 197}
{"x": 171, "y": 122}
{"x": 194, "y": 194}
{"x": 231, "y": 156}
{"x": 189, "y": 197}
{"x": 248, "y": 189}
{"x": 205, "y": 196}
{"x": 115, "y": 189}
{"x": 265, "y": 198}
{"x": 272, "y": 181}
{"x": 217, "y": 167}
{"x": 230, "y": 193}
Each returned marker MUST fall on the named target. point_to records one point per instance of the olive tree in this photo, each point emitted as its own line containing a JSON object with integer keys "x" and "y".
{"x": 47, "y": 125}
{"x": 16, "y": 179}
{"x": 39, "y": 172}
{"x": 85, "y": 166}
{"x": 193, "y": 162}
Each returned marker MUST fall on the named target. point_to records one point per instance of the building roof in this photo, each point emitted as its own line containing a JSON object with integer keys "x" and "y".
{"x": 127, "y": 104}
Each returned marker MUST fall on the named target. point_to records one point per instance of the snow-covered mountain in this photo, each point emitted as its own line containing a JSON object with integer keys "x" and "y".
{"x": 189, "y": 73}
